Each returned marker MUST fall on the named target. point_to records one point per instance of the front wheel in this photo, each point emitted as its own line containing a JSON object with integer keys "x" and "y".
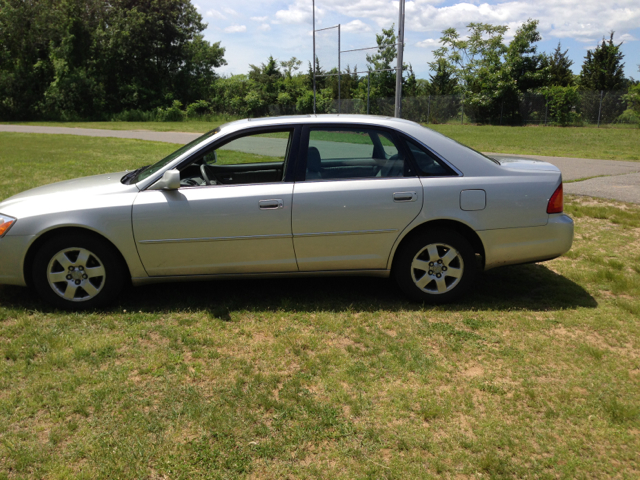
{"x": 437, "y": 267}
{"x": 77, "y": 272}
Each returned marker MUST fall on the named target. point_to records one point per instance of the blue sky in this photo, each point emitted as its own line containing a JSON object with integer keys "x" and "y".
{"x": 251, "y": 30}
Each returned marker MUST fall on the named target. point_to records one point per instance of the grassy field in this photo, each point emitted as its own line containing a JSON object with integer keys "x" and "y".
{"x": 189, "y": 126}
{"x": 603, "y": 143}
{"x": 28, "y": 159}
{"x": 535, "y": 375}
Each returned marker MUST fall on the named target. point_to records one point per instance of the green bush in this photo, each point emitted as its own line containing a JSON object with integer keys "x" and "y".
{"x": 633, "y": 105}
{"x": 324, "y": 101}
{"x": 562, "y": 103}
{"x": 172, "y": 114}
{"x": 198, "y": 109}
{"x": 629, "y": 116}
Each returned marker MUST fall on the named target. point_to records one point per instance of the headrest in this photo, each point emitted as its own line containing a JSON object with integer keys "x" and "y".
{"x": 313, "y": 160}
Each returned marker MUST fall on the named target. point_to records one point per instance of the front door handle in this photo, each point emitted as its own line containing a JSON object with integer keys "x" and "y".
{"x": 272, "y": 204}
{"x": 405, "y": 196}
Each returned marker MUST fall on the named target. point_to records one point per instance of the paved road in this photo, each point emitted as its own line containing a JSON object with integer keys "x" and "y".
{"x": 169, "y": 137}
{"x": 617, "y": 180}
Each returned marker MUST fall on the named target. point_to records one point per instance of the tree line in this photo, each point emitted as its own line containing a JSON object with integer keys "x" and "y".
{"x": 148, "y": 60}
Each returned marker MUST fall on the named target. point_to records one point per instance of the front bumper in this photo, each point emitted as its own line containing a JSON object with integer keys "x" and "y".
{"x": 13, "y": 250}
{"x": 511, "y": 246}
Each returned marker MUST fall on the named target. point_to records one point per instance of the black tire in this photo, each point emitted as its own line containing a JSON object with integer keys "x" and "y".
{"x": 439, "y": 282}
{"x": 93, "y": 274}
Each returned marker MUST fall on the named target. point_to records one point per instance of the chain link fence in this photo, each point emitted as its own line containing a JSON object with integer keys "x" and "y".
{"x": 587, "y": 108}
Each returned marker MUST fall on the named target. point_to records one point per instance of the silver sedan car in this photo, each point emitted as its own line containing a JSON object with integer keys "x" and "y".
{"x": 289, "y": 196}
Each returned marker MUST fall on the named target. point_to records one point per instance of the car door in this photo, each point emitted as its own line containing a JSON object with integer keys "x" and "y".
{"x": 356, "y": 192}
{"x": 231, "y": 214}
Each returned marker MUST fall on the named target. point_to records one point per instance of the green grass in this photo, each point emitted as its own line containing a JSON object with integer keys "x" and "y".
{"x": 534, "y": 375}
{"x": 598, "y": 143}
{"x": 28, "y": 160}
{"x": 604, "y": 144}
{"x": 191, "y": 126}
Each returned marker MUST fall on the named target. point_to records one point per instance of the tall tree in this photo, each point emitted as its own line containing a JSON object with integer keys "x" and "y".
{"x": 80, "y": 58}
{"x": 383, "y": 83}
{"x": 559, "y": 71}
{"x": 154, "y": 49}
{"x": 27, "y": 30}
{"x": 603, "y": 68}
{"x": 265, "y": 82}
{"x": 522, "y": 63}
{"x": 468, "y": 59}
{"x": 443, "y": 80}
{"x": 490, "y": 73}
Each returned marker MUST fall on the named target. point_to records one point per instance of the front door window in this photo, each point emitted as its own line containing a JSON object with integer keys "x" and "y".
{"x": 256, "y": 158}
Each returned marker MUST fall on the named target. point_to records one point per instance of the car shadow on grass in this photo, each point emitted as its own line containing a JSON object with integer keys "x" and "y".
{"x": 522, "y": 287}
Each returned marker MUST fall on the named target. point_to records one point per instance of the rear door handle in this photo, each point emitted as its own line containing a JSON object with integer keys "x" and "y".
{"x": 405, "y": 196}
{"x": 272, "y": 204}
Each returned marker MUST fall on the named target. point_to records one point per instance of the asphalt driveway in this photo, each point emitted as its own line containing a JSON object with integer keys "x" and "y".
{"x": 613, "y": 179}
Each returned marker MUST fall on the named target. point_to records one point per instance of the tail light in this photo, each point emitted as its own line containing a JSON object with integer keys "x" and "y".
{"x": 556, "y": 202}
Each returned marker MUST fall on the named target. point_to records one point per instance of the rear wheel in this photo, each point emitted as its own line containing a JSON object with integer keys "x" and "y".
{"x": 437, "y": 267}
{"x": 77, "y": 272}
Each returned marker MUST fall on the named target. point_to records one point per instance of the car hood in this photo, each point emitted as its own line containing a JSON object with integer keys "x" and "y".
{"x": 78, "y": 191}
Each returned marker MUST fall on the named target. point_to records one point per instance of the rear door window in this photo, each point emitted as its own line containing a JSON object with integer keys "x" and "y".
{"x": 348, "y": 153}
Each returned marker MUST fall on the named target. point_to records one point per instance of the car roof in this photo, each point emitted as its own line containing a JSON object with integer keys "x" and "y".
{"x": 322, "y": 118}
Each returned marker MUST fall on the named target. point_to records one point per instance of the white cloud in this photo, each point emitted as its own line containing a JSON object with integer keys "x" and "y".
{"x": 230, "y": 11}
{"x": 215, "y": 14}
{"x": 259, "y": 19}
{"x": 431, "y": 43}
{"x": 355, "y": 26}
{"x": 298, "y": 12}
{"x": 583, "y": 20}
{"x": 236, "y": 29}
{"x": 265, "y": 27}
{"x": 627, "y": 37}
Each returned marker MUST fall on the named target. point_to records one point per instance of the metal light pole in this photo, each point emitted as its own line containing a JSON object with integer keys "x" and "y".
{"x": 339, "y": 73}
{"x": 398, "y": 109}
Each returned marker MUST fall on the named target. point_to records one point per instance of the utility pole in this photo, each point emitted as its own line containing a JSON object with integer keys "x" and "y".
{"x": 339, "y": 74}
{"x": 398, "y": 109}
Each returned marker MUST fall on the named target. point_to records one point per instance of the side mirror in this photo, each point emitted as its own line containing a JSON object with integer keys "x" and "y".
{"x": 170, "y": 181}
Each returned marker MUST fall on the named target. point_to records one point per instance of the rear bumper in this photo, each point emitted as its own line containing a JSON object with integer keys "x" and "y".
{"x": 13, "y": 250}
{"x": 511, "y": 246}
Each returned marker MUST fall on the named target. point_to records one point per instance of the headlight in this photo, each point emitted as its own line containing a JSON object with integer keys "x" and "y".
{"x": 5, "y": 224}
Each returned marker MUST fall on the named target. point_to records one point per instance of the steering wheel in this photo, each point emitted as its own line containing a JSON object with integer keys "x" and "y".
{"x": 205, "y": 177}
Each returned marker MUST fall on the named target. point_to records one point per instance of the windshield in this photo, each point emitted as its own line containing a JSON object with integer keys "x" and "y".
{"x": 150, "y": 170}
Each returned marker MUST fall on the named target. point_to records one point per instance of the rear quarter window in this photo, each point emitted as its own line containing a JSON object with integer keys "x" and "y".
{"x": 428, "y": 164}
